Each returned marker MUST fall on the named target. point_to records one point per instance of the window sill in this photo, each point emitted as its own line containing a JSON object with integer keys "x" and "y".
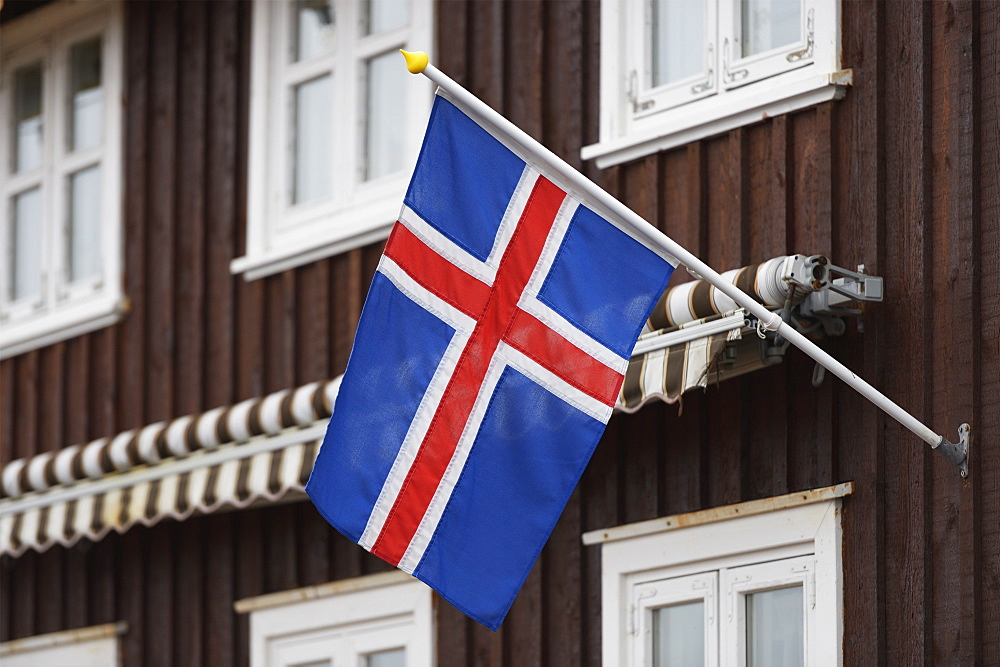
{"x": 714, "y": 115}
{"x": 260, "y": 265}
{"x": 32, "y": 333}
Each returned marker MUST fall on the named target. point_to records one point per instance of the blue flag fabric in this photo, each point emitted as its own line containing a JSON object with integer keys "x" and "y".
{"x": 489, "y": 355}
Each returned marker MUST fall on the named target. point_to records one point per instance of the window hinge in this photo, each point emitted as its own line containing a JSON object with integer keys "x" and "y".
{"x": 807, "y": 52}
{"x": 731, "y": 75}
{"x": 710, "y": 78}
{"x": 632, "y": 93}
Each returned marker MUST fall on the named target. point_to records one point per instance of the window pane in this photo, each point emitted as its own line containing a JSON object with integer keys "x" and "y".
{"x": 769, "y": 24}
{"x": 679, "y": 635}
{"x": 26, "y": 243}
{"x": 384, "y": 132}
{"x": 85, "y": 224}
{"x": 314, "y": 21}
{"x": 775, "y": 633}
{"x": 393, "y": 658}
{"x": 86, "y": 95}
{"x": 381, "y": 15}
{"x": 678, "y": 36}
{"x": 313, "y": 116}
{"x": 28, "y": 118}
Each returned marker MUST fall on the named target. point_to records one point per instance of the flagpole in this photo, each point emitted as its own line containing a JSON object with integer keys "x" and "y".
{"x": 957, "y": 453}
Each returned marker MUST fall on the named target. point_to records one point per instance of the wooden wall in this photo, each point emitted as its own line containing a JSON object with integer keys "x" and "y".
{"x": 902, "y": 175}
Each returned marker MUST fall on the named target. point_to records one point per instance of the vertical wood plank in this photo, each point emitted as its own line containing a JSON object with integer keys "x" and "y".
{"x": 8, "y": 390}
{"x": 189, "y": 295}
{"x": 26, "y": 406}
{"x": 160, "y": 609}
{"x": 75, "y": 583}
{"x": 485, "y": 54}
{"x": 312, "y": 322}
{"x": 600, "y": 510}
{"x": 639, "y": 433}
{"x": 954, "y": 566}
{"x": 279, "y": 330}
{"x": 987, "y": 183}
{"x": 219, "y": 565}
{"x": 51, "y": 397}
{"x": 104, "y": 595}
{"x": 280, "y": 572}
{"x": 76, "y": 391}
{"x": 189, "y": 591}
{"x": 452, "y": 38}
{"x": 23, "y": 596}
{"x": 523, "y": 57}
{"x": 249, "y": 575}
{"x": 160, "y": 256}
{"x": 220, "y": 211}
{"x": 908, "y": 314}
{"x": 766, "y": 445}
{"x": 860, "y": 185}
{"x": 50, "y": 591}
{"x": 725, "y": 250}
{"x": 563, "y": 560}
{"x": 522, "y": 629}
{"x": 131, "y": 358}
{"x": 131, "y": 599}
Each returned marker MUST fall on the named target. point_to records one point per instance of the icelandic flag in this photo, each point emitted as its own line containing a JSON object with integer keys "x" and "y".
{"x": 489, "y": 355}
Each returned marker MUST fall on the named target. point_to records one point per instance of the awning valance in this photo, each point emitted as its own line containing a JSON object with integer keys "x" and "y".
{"x": 258, "y": 450}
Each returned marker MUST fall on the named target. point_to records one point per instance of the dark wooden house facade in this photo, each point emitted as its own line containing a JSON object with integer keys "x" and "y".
{"x": 902, "y": 175}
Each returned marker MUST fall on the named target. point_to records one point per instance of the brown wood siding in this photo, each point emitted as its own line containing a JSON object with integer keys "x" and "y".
{"x": 902, "y": 175}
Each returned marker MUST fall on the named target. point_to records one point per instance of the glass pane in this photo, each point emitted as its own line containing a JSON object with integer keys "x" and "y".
{"x": 28, "y": 118}
{"x": 394, "y": 658}
{"x": 86, "y": 95}
{"x": 384, "y": 133}
{"x": 775, "y": 633}
{"x": 381, "y": 15}
{"x": 314, "y": 21}
{"x": 26, "y": 244}
{"x": 678, "y": 40}
{"x": 313, "y": 116}
{"x": 770, "y": 24}
{"x": 679, "y": 635}
{"x": 85, "y": 224}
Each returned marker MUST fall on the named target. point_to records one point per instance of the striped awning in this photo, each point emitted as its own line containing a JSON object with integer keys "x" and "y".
{"x": 262, "y": 449}
{"x": 258, "y": 450}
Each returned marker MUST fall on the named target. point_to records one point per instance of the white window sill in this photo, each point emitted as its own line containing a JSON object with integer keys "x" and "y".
{"x": 70, "y": 321}
{"x": 714, "y": 115}
{"x": 260, "y": 265}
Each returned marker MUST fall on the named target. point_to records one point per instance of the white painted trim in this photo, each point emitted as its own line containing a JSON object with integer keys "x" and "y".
{"x": 343, "y": 619}
{"x": 717, "y": 117}
{"x": 67, "y": 309}
{"x": 790, "y": 526}
{"x": 281, "y": 236}
{"x": 772, "y": 84}
{"x": 715, "y": 514}
{"x": 63, "y": 638}
{"x": 320, "y": 591}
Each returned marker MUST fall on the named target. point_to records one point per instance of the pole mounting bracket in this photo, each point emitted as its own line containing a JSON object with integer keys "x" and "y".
{"x": 957, "y": 452}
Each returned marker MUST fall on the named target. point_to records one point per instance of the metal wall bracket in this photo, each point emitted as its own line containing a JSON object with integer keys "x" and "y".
{"x": 957, "y": 452}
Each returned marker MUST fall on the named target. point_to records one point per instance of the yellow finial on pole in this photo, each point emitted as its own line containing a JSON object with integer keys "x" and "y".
{"x": 416, "y": 61}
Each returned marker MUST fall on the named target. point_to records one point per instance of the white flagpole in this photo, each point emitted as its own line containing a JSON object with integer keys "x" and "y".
{"x": 957, "y": 453}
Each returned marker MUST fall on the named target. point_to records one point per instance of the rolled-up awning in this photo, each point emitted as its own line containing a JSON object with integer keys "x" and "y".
{"x": 257, "y": 450}
{"x": 263, "y": 449}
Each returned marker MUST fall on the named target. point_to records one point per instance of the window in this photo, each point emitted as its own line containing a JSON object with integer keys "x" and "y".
{"x": 757, "y": 583}
{"x": 673, "y": 71}
{"x": 380, "y": 620}
{"x": 96, "y": 646}
{"x": 60, "y": 174}
{"x": 335, "y": 125}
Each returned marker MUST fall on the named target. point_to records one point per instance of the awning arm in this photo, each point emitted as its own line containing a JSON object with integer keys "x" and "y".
{"x": 957, "y": 453}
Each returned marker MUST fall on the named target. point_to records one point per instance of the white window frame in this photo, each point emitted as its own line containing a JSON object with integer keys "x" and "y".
{"x": 754, "y": 546}
{"x": 95, "y": 646}
{"x": 636, "y": 121}
{"x": 65, "y": 309}
{"x": 342, "y": 621}
{"x": 281, "y": 235}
